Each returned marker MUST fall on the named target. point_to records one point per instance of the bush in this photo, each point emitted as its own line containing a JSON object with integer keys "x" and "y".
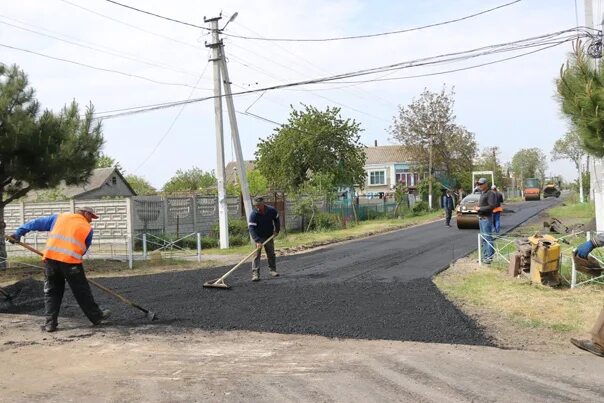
{"x": 325, "y": 222}
{"x": 420, "y": 207}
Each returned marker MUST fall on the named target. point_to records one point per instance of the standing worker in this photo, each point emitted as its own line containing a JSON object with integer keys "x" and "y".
{"x": 69, "y": 238}
{"x": 486, "y": 205}
{"x": 449, "y": 205}
{"x": 497, "y": 210}
{"x": 264, "y": 222}
{"x": 596, "y": 344}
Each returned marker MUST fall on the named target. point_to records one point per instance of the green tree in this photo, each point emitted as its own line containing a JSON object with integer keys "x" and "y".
{"x": 529, "y": 163}
{"x": 193, "y": 180}
{"x": 488, "y": 160}
{"x": 581, "y": 94}
{"x": 257, "y": 183}
{"x": 106, "y": 161}
{"x": 38, "y": 150}
{"x": 140, "y": 185}
{"x": 428, "y": 131}
{"x": 570, "y": 147}
{"x": 313, "y": 142}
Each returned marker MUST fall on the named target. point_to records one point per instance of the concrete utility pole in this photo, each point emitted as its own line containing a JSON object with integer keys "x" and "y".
{"x": 430, "y": 176}
{"x": 223, "y": 78}
{"x": 223, "y": 217}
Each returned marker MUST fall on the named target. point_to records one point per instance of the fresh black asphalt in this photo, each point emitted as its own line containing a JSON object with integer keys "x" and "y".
{"x": 374, "y": 288}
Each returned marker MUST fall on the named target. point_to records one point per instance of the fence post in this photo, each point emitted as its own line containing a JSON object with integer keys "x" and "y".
{"x": 573, "y": 274}
{"x": 144, "y": 246}
{"x": 479, "y": 250}
{"x": 129, "y": 241}
{"x": 199, "y": 247}
{"x": 36, "y": 240}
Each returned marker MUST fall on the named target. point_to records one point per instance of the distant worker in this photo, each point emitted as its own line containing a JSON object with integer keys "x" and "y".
{"x": 486, "y": 204}
{"x": 497, "y": 210}
{"x": 264, "y": 222}
{"x": 69, "y": 238}
{"x": 596, "y": 344}
{"x": 449, "y": 205}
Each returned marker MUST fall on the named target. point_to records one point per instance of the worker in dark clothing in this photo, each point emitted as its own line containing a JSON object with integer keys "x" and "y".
{"x": 264, "y": 222}
{"x": 497, "y": 210}
{"x": 449, "y": 205}
{"x": 596, "y": 344}
{"x": 486, "y": 204}
{"x": 69, "y": 238}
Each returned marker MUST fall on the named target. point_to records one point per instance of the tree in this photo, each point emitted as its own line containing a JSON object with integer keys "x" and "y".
{"x": 581, "y": 95}
{"x": 140, "y": 185}
{"x": 39, "y": 150}
{"x": 488, "y": 160}
{"x": 313, "y": 142}
{"x": 427, "y": 129}
{"x": 257, "y": 184}
{"x": 193, "y": 180}
{"x": 106, "y": 161}
{"x": 529, "y": 163}
{"x": 569, "y": 147}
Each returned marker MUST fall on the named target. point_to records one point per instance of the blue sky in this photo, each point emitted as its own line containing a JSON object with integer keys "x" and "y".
{"x": 510, "y": 105}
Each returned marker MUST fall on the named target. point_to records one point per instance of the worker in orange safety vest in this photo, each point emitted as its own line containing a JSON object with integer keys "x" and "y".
{"x": 497, "y": 210}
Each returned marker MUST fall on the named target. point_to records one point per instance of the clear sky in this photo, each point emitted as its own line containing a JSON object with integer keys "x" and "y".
{"x": 511, "y": 104}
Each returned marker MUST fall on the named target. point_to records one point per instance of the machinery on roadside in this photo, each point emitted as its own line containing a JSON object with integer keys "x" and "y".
{"x": 538, "y": 257}
{"x": 531, "y": 189}
{"x": 551, "y": 188}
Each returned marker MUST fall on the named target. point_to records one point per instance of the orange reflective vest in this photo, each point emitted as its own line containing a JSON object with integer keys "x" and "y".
{"x": 67, "y": 240}
{"x": 498, "y": 209}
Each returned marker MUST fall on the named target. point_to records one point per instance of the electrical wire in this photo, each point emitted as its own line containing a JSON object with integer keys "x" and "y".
{"x": 401, "y": 31}
{"x": 534, "y": 42}
{"x": 169, "y": 130}
{"x": 132, "y": 26}
{"x": 94, "y": 47}
{"x": 102, "y": 68}
{"x": 157, "y": 15}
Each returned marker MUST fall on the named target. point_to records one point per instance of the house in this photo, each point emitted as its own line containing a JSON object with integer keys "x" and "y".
{"x": 104, "y": 182}
{"x": 230, "y": 171}
{"x": 387, "y": 166}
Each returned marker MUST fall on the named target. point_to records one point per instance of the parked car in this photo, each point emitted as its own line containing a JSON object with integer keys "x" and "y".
{"x": 467, "y": 212}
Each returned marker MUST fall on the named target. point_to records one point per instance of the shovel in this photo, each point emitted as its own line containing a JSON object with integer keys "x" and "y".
{"x": 219, "y": 282}
{"x": 149, "y": 314}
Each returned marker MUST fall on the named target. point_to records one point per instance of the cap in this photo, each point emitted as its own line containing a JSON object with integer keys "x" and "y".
{"x": 88, "y": 210}
{"x": 481, "y": 181}
{"x": 493, "y": 187}
{"x": 258, "y": 199}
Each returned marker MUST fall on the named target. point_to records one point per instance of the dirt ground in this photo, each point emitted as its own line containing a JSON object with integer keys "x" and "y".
{"x": 138, "y": 365}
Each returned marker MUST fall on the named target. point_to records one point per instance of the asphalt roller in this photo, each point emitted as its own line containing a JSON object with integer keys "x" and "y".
{"x": 467, "y": 221}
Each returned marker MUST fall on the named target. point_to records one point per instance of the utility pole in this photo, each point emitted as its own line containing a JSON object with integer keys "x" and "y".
{"x": 223, "y": 217}
{"x": 430, "y": 176}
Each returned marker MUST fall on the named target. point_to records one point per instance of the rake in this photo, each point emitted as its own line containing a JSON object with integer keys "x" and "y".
{"x": 219, "y": 282}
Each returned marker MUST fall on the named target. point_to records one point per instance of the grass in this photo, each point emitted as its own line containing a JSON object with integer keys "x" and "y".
{"x": 490, "y": 289}
{"x": 305, "y": 240}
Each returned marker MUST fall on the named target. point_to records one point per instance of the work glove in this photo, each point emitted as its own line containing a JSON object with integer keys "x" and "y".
{"x": 584, "y": 249}
{"x": 14, "y": 238}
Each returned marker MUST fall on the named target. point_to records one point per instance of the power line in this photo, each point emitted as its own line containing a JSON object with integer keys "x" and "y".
{"x": 373, "y": 35}
{"x": 93, "y": 47}
{"x": 158, "y": 16}
{"x": 102, "y": 68}
{"x": 539, "y": 41}
{"x": 132, "y": 26}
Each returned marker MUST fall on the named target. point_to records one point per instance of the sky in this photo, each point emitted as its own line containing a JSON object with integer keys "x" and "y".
{"x": 510, "y": 105}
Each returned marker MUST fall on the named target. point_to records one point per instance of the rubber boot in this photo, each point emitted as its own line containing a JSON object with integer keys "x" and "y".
{"x": 255, "y": 275}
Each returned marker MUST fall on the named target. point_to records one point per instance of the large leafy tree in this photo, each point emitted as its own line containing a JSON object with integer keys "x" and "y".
{"x": 192, "y": 180}
{"x": 581, "y": 94}
{"x": 570, "y": 147}
{"x": 313, "y": 142}
{"x": 38, "y": 150}
{"x": 140, "y": 185}
{"x": 529, "y": 163}
{"x": 488, "y": 160}
{"x": 427, "y": 126}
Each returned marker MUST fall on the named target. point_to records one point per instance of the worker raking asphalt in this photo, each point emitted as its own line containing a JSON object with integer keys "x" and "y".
{"x": 375, "y": 288}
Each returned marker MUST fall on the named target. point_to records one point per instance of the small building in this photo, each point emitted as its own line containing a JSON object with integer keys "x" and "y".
{"x": 104, "y": 182}
{"x": 387, "y": 166}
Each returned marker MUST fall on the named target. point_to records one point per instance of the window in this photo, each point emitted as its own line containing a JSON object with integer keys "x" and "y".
{"x": 114, "y": 180}
{"x": 377, "y": 178}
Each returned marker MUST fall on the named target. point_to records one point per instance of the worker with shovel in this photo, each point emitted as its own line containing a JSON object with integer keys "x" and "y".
{"x": 264, "y": 222}
{"x": 596, "y": 344}
{"x": 69, "y": 238}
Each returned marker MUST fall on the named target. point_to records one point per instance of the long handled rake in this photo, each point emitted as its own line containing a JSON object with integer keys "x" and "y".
{"x": 149, "y": 314}
{"x": 219, "y": 282}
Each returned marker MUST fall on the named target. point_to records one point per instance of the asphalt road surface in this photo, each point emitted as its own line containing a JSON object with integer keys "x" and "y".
{"x": 374, "y": 288}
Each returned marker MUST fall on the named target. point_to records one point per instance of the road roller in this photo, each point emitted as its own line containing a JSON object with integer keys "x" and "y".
{"x": 467, "y": 212}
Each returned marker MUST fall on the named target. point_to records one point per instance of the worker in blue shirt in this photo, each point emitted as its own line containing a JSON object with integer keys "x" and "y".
{"x": 264, "y": 222}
